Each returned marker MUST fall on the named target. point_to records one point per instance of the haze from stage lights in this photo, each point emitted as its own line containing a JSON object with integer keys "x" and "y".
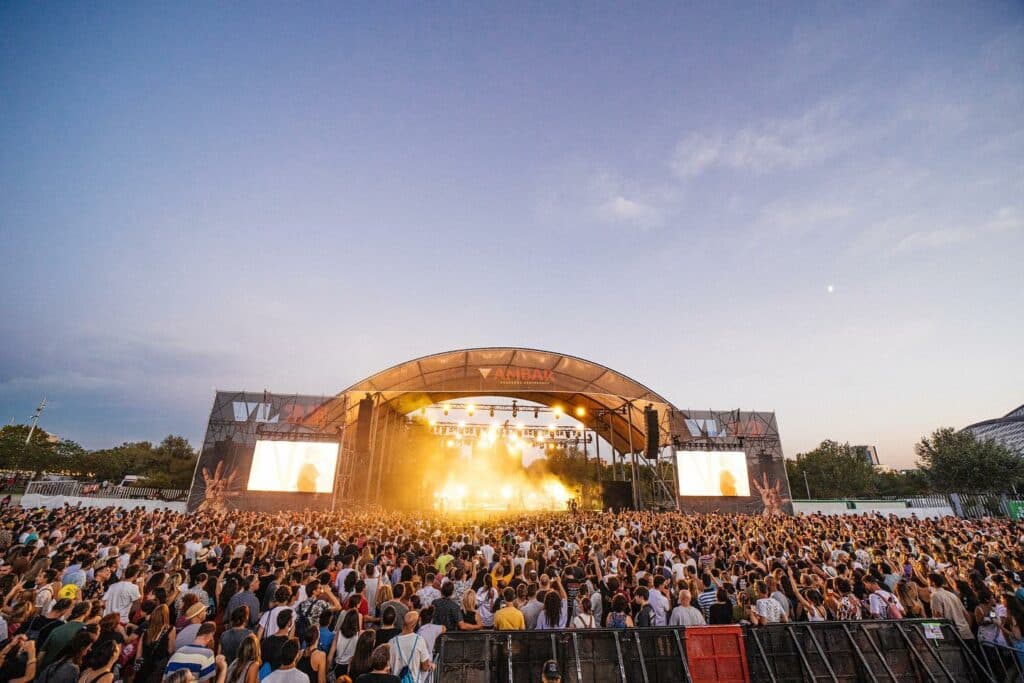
{"x": 293, "y": 466}
{"x": 712, "y": 473}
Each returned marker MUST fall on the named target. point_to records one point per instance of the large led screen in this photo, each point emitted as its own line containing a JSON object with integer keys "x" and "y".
{"x": 712, "y": 473}
{"x": 293, "y": 466}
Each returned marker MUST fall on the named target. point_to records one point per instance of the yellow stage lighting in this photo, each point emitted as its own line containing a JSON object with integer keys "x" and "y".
{"x": 558, "y": 412}
{"x": 580, "y": 411}
{"x": 470, "y": 409}
{"x": 446, "y": 407}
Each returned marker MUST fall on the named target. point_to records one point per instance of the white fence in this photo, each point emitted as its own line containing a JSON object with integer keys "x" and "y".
{"x": 78, "y": 489}
{"x": 36, "y": 500}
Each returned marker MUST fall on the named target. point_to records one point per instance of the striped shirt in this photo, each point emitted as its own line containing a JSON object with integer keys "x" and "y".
{"x": 706, "y": 599}
{"x": 198, "y": 660}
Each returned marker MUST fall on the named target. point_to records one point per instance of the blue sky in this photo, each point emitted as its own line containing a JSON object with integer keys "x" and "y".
{"x": 260, "y": 196}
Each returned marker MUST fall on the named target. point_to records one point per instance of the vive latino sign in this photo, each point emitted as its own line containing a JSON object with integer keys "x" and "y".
{"x": 515, "y": 376}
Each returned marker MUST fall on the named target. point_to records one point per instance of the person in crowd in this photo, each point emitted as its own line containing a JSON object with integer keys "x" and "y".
{"x": 288, "y": 671}
{"x": 428, "y": 629}
{"x": 99, "y": 663}
{"x": 198, "y": 657}
{"x": 270, "y": 647}
{"x": 67, "y": 667}
{"x": 388, "y": 629}
{"x": 157, "y": 645}
{"x": 312, "y": 660}
{"x": 508, "y": 617}
{"x": 194, "y": 618}
{"x": 685, "y": 614}
{"x": 233, "y": 637}
{"x": 446, "y": 611}
{"x": 409, "y": 652}
{"x": 360, "y": 662}
{"x": 345, "y": 639}
{"x": 380, "y": 663}
{"x": 245, "y": 667}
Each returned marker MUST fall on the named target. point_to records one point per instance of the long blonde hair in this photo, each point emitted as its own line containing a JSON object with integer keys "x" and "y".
{"x": 469, "y": 601}
{"x": 158, "y": 619}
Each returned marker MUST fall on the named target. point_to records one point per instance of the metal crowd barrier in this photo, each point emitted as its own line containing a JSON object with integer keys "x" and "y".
{"x": 92, "y": 490}
{"x": 841, "y": 652}
{"x": 1006, "y": 664}
{"x": 869, "y": 650}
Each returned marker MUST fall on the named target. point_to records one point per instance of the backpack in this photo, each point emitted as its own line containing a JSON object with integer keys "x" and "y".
{"x": 302, "y": 622}
{"x": 406, "y": 675}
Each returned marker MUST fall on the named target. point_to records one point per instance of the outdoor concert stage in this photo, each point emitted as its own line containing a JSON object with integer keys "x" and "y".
{"x": 372, "y": 443}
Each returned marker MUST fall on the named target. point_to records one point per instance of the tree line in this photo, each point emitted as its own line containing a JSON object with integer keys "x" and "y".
{"x": 169, "y": 464}
{"x": 948, "y": 461}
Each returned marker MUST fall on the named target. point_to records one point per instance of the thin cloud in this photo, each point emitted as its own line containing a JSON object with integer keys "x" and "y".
{"x": 817, "y": 135}
{"x": 619, "y": 209}
{"x": 1006, "y": 220}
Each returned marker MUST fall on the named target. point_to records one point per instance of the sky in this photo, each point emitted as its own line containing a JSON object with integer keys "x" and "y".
{"x": 812, "y": 209}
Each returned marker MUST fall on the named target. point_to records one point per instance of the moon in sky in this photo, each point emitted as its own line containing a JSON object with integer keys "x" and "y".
{"x": 830, "y": 289}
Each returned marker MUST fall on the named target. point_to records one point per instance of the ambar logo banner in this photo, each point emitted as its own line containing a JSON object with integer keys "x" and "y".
{"x": 515, "y": 376}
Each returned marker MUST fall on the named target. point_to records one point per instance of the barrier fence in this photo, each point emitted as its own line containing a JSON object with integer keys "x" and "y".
{"x": 92, "y": 490}
{"x": 875, "y": 651}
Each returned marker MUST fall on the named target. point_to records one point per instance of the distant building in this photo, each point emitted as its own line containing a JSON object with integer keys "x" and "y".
{"x": 1007, "y": 430}
{"x": 869, "y": 453}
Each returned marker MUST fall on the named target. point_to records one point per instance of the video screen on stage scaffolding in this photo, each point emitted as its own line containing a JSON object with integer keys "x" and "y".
{"x": 712, "y": 473}
{"x": 293, "y": 466}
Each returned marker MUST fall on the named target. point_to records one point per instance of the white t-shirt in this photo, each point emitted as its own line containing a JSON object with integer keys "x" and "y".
{"x": 410, "y": 650}
{"x": 119, "y": 598}
{"x": 268, "y": 620}
{"x": 292, "y": 675}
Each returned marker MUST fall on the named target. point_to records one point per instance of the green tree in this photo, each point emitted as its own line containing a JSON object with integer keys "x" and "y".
{"x": 832, "y": 470}
{"x": 957, "y": 462}
{"x": 913, "y": 483}
{"x": 37, "y": 455}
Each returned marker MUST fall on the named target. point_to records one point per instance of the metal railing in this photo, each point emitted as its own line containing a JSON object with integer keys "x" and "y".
{"x": 870, "y": 650}
{"x": 1006, "y": 664}
{"x": 883, "y": 651}
{"x": 93, "y": 490}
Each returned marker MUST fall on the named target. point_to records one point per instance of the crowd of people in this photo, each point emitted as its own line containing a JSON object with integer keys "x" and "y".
{"x": 102, "y": 595}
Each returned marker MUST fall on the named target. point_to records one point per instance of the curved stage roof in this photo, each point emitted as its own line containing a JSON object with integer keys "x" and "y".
{"x": 543, "y": 377}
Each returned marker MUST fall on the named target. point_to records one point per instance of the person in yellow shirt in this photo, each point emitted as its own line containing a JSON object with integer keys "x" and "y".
{"x": 509, "y": 618}
{"x": 441, "y": 563}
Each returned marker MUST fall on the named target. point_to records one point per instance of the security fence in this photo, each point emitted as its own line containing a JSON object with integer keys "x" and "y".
{"x": 95, "y": 490}
{"x": 840, "y": 652}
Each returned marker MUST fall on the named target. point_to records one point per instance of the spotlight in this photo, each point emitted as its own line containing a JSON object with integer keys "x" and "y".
{"x": 558, "y": 412}
{"x": 446, "y": 407}
{"x": 580, "y": 411}
{"x": 450, "y": 443}
{"x": 470, "y": 409}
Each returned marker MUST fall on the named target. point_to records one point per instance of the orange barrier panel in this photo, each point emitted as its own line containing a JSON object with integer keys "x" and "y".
{"x": 716, "y": 654}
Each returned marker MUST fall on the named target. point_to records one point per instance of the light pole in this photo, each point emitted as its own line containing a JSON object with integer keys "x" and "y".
{"x": 35, "y": 420}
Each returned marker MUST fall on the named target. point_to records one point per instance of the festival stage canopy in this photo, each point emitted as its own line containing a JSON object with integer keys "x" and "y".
{"x": 551, "y": 379}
